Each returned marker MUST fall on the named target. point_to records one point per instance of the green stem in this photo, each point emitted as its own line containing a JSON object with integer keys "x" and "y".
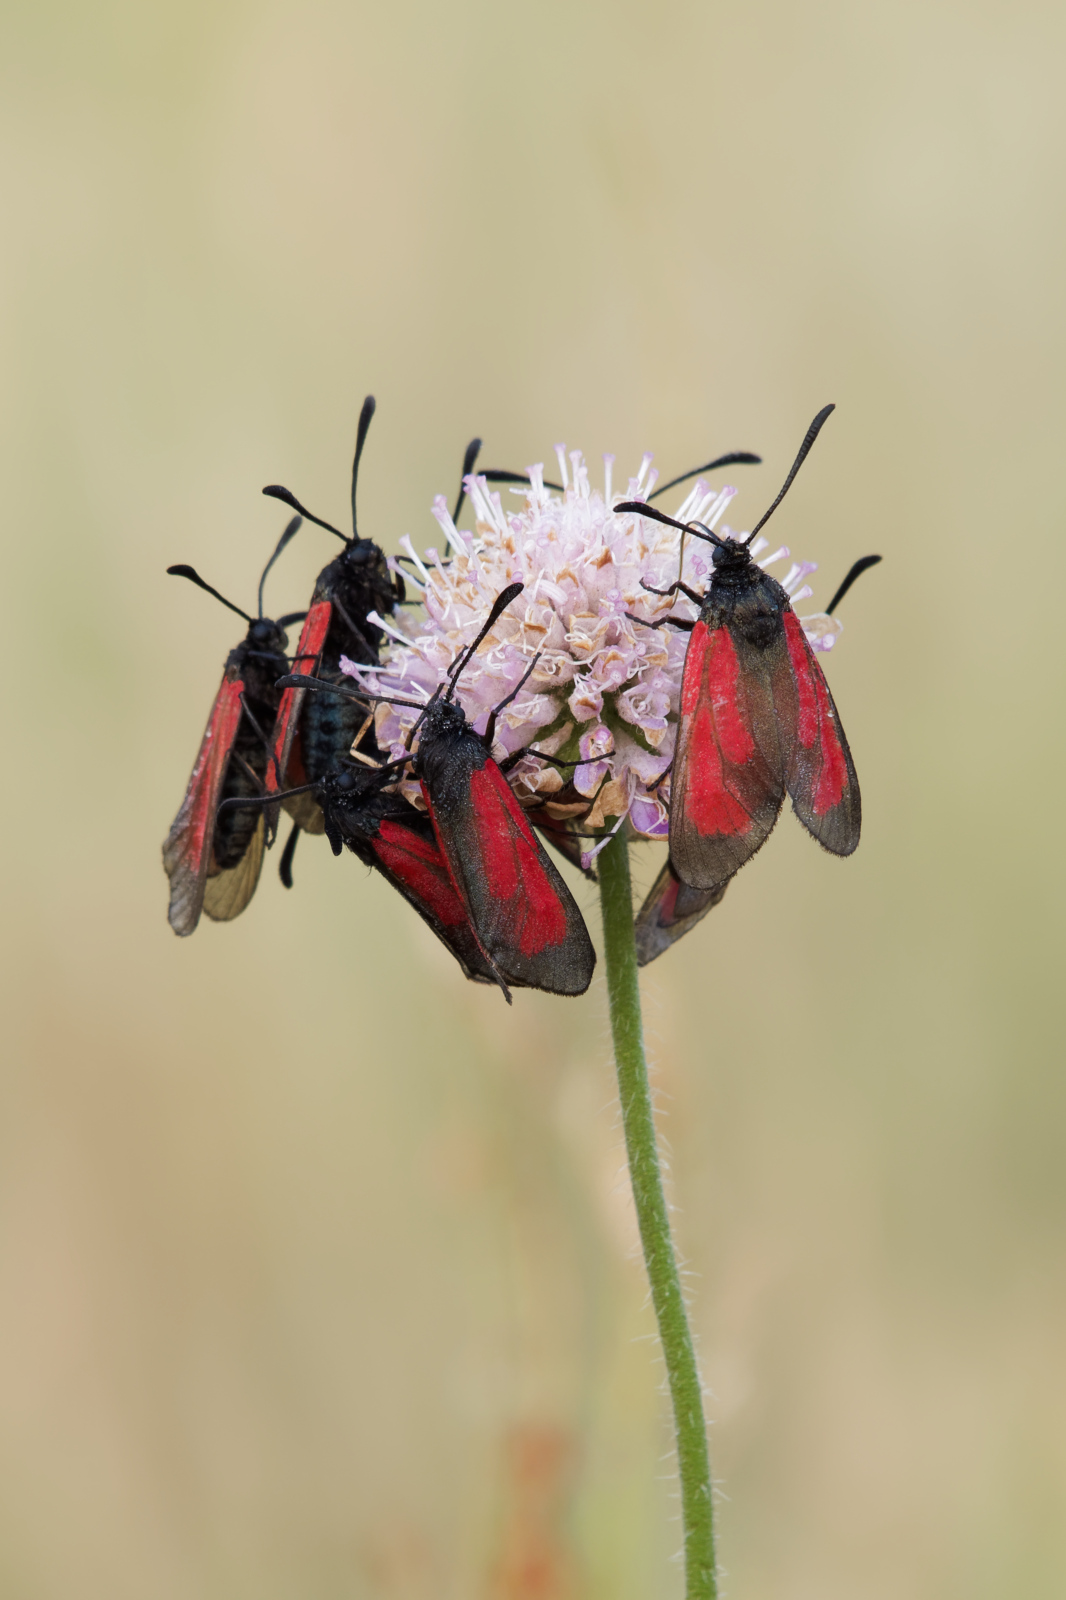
{"x": 623, "y": 990}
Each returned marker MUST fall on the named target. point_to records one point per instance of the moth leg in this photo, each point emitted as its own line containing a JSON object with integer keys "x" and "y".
{"x": 675, "y": 622}
{"x": 690, "y": 594}
{"x": 285, "y": 865}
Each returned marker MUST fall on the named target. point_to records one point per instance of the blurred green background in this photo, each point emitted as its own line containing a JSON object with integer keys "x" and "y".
{"x": 316, "y": 1264}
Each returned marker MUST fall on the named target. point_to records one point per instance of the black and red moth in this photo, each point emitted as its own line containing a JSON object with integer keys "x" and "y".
{"x": 214, "y": 860}
{"x": 757, "y": 720}
{"x": 672, "y": 908}
{"x": 309, "y": 733}
{"x": 524, "y": 920}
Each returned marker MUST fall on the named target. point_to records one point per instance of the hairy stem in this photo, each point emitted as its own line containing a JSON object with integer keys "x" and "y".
{"x": 623, "y": 989}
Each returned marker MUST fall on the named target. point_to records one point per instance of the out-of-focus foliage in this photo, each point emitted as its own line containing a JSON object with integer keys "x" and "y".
{"x": 315, "y": 1266}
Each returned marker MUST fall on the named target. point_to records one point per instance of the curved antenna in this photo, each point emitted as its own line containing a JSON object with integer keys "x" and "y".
{"x": 641, "y": 508}
{"x": 182, "y": 571}
{"x": 735, "y": 458}
{"x": 472, "y": 451}
{"x": 808, "y": 439}
{"x": 277, "y": 491}
{"x": 290, "y": 532}
{"x": 860, "y": 566}
{"x": 502, "y": 601}
{"x": 370, "y": 405}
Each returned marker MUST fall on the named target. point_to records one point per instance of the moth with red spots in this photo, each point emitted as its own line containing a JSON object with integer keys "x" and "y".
{"x": 757, "y": 719}
{"x": 214, "y": 860}
{"x": 524, "y": 919}
{"x": 308, "y": 734}
{"x": 672, "y": 908}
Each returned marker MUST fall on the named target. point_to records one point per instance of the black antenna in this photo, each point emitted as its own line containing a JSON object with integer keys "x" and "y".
{"x": 735, "y": 458}
{"x": 365, "y": 697}
{"x": 290, "y": 532}
{"x": 642, "y": 509}
{"x": 277, "y": 491}
{"x": 861, "y": 566}
{"x": 193, "y": 576}
{"x": 472, "y": 452}
{"x": 503, "y": 600}
{"x": 370, "y": 405}
{"x": 809, "y": 437}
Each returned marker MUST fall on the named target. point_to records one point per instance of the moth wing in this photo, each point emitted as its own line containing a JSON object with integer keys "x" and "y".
{"x": 728, "y": 778}
{"x": 524, "y": 916}
{"x": 227, "y": 893}
{"x": 821, "y": 777}
{"x": 670, "y": 910}
{"x": 187, "y": 847}
{"x": 414, "y": 866}
{"x": 287, "y": 761}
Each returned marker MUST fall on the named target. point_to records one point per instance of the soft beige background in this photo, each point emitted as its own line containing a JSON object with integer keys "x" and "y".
{"x": 315, "y": 1268}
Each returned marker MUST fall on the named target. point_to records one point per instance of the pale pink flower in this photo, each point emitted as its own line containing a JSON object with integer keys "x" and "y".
{"x": 604, "y": 691}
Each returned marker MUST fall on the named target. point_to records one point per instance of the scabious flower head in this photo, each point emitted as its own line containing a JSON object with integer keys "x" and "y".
{"x": 604, "y": 689}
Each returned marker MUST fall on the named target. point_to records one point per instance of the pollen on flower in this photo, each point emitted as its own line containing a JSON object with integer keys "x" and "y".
{"x": 604, "y": 689}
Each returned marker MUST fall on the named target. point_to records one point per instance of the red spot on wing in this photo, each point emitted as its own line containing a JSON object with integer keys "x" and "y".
{"x": 312, "y": 638}
{"x": 418, "y": 864}
{"x": 815, "y": 719}
{"x": 513, "y": 868}
{"x": 718, "y": 732}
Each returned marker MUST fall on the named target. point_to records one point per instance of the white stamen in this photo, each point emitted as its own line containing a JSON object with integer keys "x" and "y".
{"x": 686, "y": 509}
{"x": 380, "y": 622}
{"x": 408, "y": 577}
{"x": 608, "y": 463}
{"x": 409, "y": 550}
{"x": 560, "y": 456}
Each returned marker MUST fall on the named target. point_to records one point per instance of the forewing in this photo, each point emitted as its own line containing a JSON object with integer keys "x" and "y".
{"x": 524, "y": 916}
{"x": 728, "y": 777}
{"x": 227, "y": 893}
{"x": 821, "y": 776}
{"x": 187, "y": 848}
{"x": 414, "y": 865}
{"x": 671, "y": 910}
{"x": 282, "y": 771}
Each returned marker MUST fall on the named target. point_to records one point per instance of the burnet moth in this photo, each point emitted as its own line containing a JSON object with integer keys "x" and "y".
{"x": 308, "y": 734}
{"x": 524, "y": 919}
{"x": 213, "y": 861}
{"x": 757, "y": 718}
{"x": 671, "y": 908}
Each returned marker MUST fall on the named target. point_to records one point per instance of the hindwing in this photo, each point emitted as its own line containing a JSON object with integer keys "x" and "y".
{"x": 670, "y": 910}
